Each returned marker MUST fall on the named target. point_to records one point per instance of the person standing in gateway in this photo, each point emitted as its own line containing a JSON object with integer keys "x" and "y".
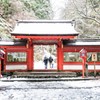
{"x": 46, "y": 58}
{"x": 45, "y": 62}
{"x": 50, "y": 62}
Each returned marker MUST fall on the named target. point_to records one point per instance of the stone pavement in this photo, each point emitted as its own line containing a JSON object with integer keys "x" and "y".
{"x": 9, "y": 79}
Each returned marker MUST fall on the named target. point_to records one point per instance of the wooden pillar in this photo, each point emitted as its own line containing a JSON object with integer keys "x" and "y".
{"x": 83, "y": 67}
{"x": 30, "y": 55}
{"x": 33, "y": 56}
{"x": 0, "y": 68}
{"x": 5, "y": 59}
{"x": 83, "y": 55}
{"x": 60, "y": 55}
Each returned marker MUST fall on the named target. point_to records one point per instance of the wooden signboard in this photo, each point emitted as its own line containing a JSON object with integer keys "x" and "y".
{"x": 94, "y": 56}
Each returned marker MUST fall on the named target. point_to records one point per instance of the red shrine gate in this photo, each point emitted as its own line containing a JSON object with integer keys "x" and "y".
{"x": 44, "y": 33}
{"x": 20, "y": 53}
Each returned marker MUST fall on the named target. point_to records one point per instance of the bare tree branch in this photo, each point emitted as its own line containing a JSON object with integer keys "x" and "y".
{"x": 93, "y": 7}
{"x": 85, "y": 15}
{"x": 92, "y": 19}
{"x": 79, "y": 11}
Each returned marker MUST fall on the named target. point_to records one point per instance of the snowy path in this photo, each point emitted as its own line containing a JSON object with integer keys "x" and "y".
{"x": 69, "y": 90}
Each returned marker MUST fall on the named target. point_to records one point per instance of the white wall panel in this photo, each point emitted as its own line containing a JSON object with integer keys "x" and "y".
{"x": 16, "y": 67}
{"x": 79, "y": 67}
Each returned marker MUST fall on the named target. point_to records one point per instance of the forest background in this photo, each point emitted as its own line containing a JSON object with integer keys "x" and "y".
{"x": 84, "y": 13}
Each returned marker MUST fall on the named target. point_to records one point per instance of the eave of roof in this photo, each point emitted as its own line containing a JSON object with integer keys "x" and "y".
{"x": 82, "y": 42}
{"x": 13, "y": 43}
{"x": 31, "y": 34}
{"x": 44, "y": 28}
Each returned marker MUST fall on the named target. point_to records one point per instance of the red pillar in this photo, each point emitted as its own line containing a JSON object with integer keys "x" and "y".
{"x": 60, "y": 55}
{"x": 5, "y": 59}
{"x": 30, "y": 55}
{"x": 83, "y": 66}
{"x": 83, "y": 55}
{"x": 33, "y": 56}
{"x": 0, "y": 69}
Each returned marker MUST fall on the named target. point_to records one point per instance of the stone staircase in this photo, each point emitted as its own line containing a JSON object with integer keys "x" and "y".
{"x": 44, "y": 74}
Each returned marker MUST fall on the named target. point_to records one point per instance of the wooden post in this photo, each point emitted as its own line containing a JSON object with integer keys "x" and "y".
{"x": 83, "y": 55}
{"x": 83, "y": 67}
{"x": 86, "y": 65}
{"x": 94, "y": 58}
{"x": 30, "y": 55}
{"x": 94, "y": 70}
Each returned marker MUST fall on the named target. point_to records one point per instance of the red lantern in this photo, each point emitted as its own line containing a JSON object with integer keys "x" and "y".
{"x": 83, "y": 53}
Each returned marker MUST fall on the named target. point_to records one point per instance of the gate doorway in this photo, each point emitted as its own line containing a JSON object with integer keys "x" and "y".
{"x": 45, "y": 51}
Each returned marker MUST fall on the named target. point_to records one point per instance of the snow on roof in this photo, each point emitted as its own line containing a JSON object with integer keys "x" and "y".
{"x": 44, "y": 27}
{"x": 82, "y": 42}
{"x": 14, "y": 42}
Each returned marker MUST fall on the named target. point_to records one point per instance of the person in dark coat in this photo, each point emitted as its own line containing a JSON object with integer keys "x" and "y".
{"x": 50, "y": 61}
{"x": 45, "y": 62}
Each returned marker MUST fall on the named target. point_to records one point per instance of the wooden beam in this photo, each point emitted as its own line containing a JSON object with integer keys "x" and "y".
{"x": 46, "y": 37}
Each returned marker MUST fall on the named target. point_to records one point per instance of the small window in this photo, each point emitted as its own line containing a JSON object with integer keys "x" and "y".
{"x": 16, "y": 57}
{"x": 72, "y": 57}
{"x": 89, "y": 56}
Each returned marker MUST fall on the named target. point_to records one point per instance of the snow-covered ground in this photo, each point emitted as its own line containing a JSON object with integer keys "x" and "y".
{"x": 67, "y": 90}
{"x": 40, "y": 65}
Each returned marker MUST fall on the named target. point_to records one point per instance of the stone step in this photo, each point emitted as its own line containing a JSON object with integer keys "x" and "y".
{"x": 44, "y": 74}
